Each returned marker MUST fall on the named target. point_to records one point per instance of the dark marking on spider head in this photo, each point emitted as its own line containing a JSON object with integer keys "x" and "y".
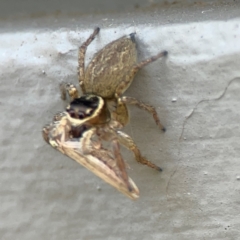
{"x": 88, "y": 108}
{"x": 83, "y": 107}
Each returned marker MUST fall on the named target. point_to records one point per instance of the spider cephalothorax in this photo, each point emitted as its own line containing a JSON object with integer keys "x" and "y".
{"x": 101, "y": 111}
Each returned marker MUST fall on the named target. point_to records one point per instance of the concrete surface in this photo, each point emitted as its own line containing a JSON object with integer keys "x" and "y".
{"x": 45, "y": 195}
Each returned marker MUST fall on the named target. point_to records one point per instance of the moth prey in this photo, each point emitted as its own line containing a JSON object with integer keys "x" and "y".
{"x": 82, "y": 144}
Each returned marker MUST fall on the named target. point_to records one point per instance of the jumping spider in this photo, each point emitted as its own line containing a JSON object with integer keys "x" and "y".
{"x": 89, "y": 119}
{"x": 106, "y": 78}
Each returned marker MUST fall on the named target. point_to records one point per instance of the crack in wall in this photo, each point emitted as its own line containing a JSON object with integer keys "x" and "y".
{"x": 189, "y": 116}
{"x": 206, "y": 100}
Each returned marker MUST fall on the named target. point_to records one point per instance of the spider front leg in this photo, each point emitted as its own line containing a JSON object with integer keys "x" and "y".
{"x": 68, "y": 91}
{"x": 144, "y": 106}
{"x": 81, "y": 58}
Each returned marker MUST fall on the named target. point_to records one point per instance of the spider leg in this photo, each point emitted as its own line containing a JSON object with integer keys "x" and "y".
{"x": 81, "y": 58}
{"x": 110, "y": 134}
{"x": 127, "y": 81}
{"x": 120, "y": 113}
{"x": 128, "y": 142}
{"x": 68, "y": 91}
{"x": 144, "y": 106}
{"x": 145, "y": 62}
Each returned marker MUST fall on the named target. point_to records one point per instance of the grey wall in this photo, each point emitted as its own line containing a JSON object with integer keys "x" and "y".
{"x": 45, "y": 195}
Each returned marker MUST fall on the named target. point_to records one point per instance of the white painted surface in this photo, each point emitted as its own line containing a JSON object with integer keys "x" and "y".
{"x": 44, "y": 195}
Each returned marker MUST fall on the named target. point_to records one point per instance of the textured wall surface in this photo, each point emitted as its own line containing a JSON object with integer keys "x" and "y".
{"x": 196, "y": 90}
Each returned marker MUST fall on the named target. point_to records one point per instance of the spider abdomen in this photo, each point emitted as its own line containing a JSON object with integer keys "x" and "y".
{"x": 110, "y": 66}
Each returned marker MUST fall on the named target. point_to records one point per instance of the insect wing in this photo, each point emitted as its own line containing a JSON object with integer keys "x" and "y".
{"x": 100, "y": 169}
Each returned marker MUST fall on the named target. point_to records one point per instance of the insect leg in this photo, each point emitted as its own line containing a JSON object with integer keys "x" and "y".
{"x": 45, "y": 132}
{"x": 81, "y": 58}
{"x": 144, "y": 106}
{"x": 120, "y": 163}
{"x": 68, "y": 91}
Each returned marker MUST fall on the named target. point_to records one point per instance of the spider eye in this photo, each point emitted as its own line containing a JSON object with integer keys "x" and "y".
{"x": 81, "y": 115}
{"x": 71, "y": 113}
{"x": 94, "y": 99}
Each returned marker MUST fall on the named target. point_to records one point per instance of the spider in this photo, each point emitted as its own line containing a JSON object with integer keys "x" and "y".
{"x": 101, "y": 111}
{"x": 106, "y": 78}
